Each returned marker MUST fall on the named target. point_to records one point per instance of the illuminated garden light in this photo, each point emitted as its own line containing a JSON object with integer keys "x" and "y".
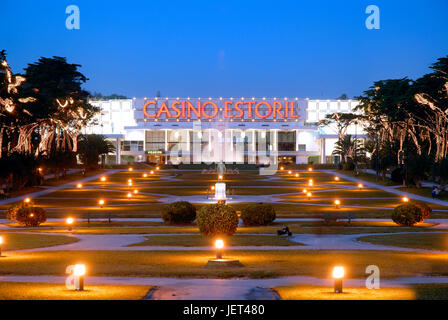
{"x": 129, "y": 195}
{"x": 360, "y": 185}
{"x": 79, "y": 185}
{"x": 79, "y": 272}
{"x": 131, "y": 169}
{"x": 212, "y": 187}
{"x": 337, "y": 203}
{"x": 310, "y": 182}
{"x": 101, "y": 202}
{"x": 282, "y": 168}
{"x": 297, "y": 175}
{"x": 305, "y": 191}
{"x": 220, "y": 177}
{"x": 157, "y": 168}
{"x": 69, "y": 222}
{"x": 145, "y": 175}
{"x": 135, "y": 191}
{"x": 289, "y": 172}
{"x": 1, "y": 242}
{"x": 310, "y": 169}
{"x": 151, "y": 172}
{"x": 338, "y": 275}
{"x": 103, "y": 179}
{"x": 27, "y": 200}
{"x": 309, "y": 194}
{"x": 405, "y": 199}
{"x": 219, "y": 245}
{"x": 336, "y": 178}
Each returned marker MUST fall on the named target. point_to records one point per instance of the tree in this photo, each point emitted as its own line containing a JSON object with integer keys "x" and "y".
{"x": 90, "y": 147}
{"x": 348, "y": 149}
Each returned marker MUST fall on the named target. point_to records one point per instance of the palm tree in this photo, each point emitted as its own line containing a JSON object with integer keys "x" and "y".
{"x": 348, "y": 149}
{"x": 90, "y": 147}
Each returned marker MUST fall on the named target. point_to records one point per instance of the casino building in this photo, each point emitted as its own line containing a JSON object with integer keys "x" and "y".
{"x": 232, "y": 130}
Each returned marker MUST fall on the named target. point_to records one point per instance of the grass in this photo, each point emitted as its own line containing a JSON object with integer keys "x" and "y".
{"x": 370, "y": 177}
{"x": 257, "y": 263}
{"x": 426, "y": 192}
{"x": 415, "y": 292}
{"x": 51, "y": 291}
{"x": 200, "y": 241}
{"x": 19, "y": 241}
{"x": 427, "y": 241}
{"x": 305, "y": 227}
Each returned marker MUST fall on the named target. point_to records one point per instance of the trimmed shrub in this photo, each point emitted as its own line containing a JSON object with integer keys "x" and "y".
{"x": 258, "y": 214}
{"x": 425, "y": 210}
{"x": 179, "y": 212}
{"x": 217, "y": 219}
{"x": 407, "y": 214}
{"x": 31, "y": 216}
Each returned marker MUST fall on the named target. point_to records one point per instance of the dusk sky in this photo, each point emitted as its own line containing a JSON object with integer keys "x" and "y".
{"x": 232, "y": 48}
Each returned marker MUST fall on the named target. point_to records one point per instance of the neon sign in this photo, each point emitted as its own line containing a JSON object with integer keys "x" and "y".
{"x": 223, "y": 109}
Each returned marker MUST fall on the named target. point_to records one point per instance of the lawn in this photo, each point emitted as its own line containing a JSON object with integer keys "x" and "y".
{"x": 305, "y": 227}
{"x": 426, "y": 192}
{"x": 414, "y": 292}
{"x": 200, "y": 241}
{"x": 51, "y": 291}
{"x": 18, "y": 241}
{"x": 427, "y": 241}
{"x": 257, "y": 263}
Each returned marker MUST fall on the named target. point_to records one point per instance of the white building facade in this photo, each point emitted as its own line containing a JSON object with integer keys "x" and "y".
{"x": 229, "y": 130}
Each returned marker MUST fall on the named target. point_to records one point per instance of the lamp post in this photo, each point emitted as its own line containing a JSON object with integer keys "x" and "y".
{"x": 338, "y": 275}
{"x": 69, "y": 222}
{"x": 337, "y": 203}
{"x": 219, "y": 245}
{"x": 79, "y": 271}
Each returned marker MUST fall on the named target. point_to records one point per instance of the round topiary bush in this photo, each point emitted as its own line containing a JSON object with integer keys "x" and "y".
{"x": 425, "y": 210}
{"x": 258, "y": 214}
{"x": 217, "y": 219}
{"x": 179, "y": 212}
{"x": 407, "y": 214}
{"x": 31, "y": 216}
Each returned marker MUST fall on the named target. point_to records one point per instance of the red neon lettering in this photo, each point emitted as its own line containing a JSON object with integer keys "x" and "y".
{"x": 292, "y": 111}
{"x": 145, "y": 106}
{"x": 249, "y": 103}
{"x": 215, "y": 107}
{"x": 258, "y": 105}
{"x": 163, "y": 109}
{"x": 277, "y": 110}
{"x": 237, "y": 108}
{"x": 191, "y": 108}
{"x": 227, "y": 108}
{"x": 173, "y": 106}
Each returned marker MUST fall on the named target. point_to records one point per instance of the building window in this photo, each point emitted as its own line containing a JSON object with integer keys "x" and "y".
{"x": 132, "y": 145}
{"x": 302, "y": 147}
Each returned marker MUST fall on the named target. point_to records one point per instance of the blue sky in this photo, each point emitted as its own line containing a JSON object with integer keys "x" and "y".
{"x": 315, "y": 49}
